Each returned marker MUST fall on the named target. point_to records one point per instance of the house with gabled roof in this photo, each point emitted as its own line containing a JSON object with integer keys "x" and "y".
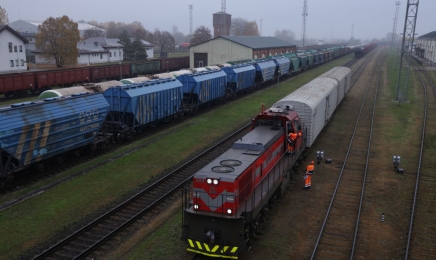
{"x": 222, "y": 49}
{"x": 91, "y": 51}
{"x": 12, "y": 50}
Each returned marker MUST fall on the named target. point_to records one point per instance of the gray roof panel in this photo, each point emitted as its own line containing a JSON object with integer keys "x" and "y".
{"x": 258, "y": 42}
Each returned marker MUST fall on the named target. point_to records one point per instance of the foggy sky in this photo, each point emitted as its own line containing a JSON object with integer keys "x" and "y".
{"x": 326, "y": 18}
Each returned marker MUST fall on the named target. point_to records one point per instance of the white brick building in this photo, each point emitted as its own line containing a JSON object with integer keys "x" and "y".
{"x": 426, "y": 44}
{"x": 91, "y": 51}
{"x": 12, "y": 50}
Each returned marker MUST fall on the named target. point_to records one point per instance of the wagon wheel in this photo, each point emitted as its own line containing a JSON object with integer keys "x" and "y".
{"x": 77, "y": 153}
{"x": 93, "y": 147}
{"x": 40, "y": 167}
{"x": 60, "y": 159}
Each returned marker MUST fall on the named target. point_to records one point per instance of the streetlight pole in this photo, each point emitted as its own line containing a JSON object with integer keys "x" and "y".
{"x": 278, "y": 79}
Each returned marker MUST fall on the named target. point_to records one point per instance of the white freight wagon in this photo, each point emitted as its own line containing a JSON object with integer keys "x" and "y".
{"x": 343, "y": 76}
{"x": 314, "y": 102}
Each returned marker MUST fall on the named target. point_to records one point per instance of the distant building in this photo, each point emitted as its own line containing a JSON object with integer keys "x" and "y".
{"x": 221, "y": 24}
{"x": 426, "y": 46}
{"x": 91, "y": 51}
{"x": 28, "y": 29}
{"x": 231, "y": 48}
{"x": 12, "y": 52}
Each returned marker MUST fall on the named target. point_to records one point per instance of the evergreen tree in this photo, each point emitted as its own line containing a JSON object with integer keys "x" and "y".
{"x": 125, "y": 41}
{"x": 139, "y": 52}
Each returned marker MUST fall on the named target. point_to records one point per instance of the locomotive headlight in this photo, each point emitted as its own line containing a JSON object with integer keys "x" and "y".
{"x": 195, "y": 206}
{"x": 209, "y": 181}
{"x": 229, "y": 211}
{"x": 215, "y": 181}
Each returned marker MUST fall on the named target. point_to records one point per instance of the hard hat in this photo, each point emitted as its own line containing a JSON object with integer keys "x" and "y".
{"x": 312, "y": 162}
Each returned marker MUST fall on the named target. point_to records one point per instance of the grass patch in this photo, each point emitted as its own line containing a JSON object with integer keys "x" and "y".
{"x": 39, "y": 219}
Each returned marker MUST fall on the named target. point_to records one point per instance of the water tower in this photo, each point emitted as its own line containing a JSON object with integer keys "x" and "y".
{"x": 221, "y": 21}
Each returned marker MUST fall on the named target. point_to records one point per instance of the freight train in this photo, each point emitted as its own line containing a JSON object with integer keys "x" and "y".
{"x": 18, "y": 84}
{"x": 71, "y": 120}
{"x": 228, "y": 197}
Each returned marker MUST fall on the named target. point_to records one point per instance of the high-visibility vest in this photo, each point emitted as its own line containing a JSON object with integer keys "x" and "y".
{"x": 310, "y": 168}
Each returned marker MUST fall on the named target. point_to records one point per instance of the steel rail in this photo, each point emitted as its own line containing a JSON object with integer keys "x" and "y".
{"x": 345, "y": 160}
{"x": 366, "y": 165}
{"x": 418, "y": 174}
{"x": 105, "y": 216}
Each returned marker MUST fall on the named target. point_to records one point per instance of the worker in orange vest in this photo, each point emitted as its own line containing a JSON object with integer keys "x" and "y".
{"x": 291, "y": 142}
{"x": 308, "y": 175}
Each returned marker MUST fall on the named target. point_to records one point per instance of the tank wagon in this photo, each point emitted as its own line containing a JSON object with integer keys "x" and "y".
{"x": 227, "y": 198}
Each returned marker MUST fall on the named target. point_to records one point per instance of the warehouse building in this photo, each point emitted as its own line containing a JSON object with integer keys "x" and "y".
{"x": 231, "y": 48}
{"x": 426, "y": 48}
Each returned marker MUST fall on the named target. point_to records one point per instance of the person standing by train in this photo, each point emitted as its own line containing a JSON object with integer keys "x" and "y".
{"x": 308, "y": 175}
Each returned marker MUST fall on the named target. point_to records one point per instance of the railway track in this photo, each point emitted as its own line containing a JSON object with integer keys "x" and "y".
{"x": 421, "y": 243}
{"x": 338, "y": 235}
{"x": 87, "y": 240}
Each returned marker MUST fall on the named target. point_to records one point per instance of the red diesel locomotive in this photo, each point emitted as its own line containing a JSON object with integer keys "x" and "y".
{"x": 228, "y": 197}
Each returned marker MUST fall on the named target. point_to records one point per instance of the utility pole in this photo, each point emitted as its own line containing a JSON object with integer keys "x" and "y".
{"x": 190, "y": 22}
{"x": 352, "y": 29}
{"x": 394, "y": 31}
{"x": 303, "y": 37}
{"x": 331, "y": 39}
{"x": 224, "y": 21}
{"x": 407, "y": 49}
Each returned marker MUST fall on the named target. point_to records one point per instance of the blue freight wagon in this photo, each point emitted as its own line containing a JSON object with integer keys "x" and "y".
{"x": 265, "y": 70}
{"x": 282, "y": 65}
{"x": 239, "y": 77}
{"x": 203, "y": 87}
{"x": 31, "y": 132}
{"x": 135, "y": 106}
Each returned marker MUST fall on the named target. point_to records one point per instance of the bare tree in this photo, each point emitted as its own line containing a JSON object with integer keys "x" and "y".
{"x": 93, "y": 32}
{"x": 143, "y": 34}
{"x": 57, "y": 38}
{"x": 238, "y": 26}
{"x": 3, "y": 16}
{"x": 251, "y": 29}
{"x": 112, "y": 30}
{"x": 177, "y": 35}
{"x": 164, "y": 39}
{"x": 286, "y": 35}
{"x": 201, "y": 34}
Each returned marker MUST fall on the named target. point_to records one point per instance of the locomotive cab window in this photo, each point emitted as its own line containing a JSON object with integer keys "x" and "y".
{"x": 290, "y": 127}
